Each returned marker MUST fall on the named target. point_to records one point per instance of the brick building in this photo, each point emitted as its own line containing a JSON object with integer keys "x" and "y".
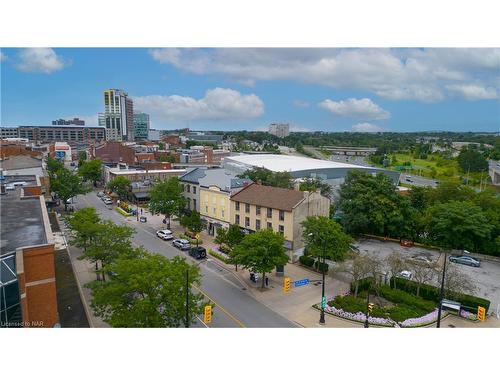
{"x": 115, "y": 152}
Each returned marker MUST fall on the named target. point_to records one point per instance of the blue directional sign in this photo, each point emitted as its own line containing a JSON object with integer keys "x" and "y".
{"x": 323, "y": 302}
{"x": 300, "y": 282}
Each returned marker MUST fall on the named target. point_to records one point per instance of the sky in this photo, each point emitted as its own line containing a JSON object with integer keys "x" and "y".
{"x": 229, "y": 89}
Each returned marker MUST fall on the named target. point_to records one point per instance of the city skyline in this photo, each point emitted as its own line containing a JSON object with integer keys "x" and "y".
{"x": 247, "y": 89}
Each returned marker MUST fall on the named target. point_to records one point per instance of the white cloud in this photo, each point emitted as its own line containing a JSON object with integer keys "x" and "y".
{"x": 397, "y": 74}
{"x": 217, "y": 104}
{"x": 366, "y": 127}
{"x": 473, "y": 92}
{"x": 363, "y": 109}
{"x": 40, "y": 60}
{"x": 299, "y": 129}
{"x": 301, "y": 103}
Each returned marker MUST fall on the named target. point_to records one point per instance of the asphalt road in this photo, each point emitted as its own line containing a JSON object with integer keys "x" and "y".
{"x": 234, "y": 305}
{"x": 417, "y": 180}
{"x": 486, "y": 278}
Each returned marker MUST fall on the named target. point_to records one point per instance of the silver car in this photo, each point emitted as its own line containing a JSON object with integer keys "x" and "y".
{"x": 181, "y": 244}
{"x": 466, "y": 260}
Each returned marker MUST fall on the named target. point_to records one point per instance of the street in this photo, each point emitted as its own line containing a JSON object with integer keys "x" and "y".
{"x": 234, "y": 305}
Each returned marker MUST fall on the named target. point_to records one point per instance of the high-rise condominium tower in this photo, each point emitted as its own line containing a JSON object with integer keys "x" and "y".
{"x": 118, "y": 116}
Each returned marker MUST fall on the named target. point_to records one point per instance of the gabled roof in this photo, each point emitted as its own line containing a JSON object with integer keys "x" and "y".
{"x": 193, "y": 176}
{"x": 269, "y": 196}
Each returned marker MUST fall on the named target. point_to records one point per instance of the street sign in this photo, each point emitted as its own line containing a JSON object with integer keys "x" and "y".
{"x": 197, "y": 236}
{"x": 481, "y": 313}
{"x": 323, "y": 302}
{"x": 207, "y": 318}
{"x": 301, "y": 282}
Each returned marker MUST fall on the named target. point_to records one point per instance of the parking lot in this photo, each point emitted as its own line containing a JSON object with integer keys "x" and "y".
{"x": 486, "y": 277}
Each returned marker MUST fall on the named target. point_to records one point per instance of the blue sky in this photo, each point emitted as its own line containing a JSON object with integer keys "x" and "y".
{"x": 237, "y": 89}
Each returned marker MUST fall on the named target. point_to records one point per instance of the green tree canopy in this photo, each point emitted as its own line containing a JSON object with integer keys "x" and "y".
{"x": 230, "y": 238}
{"x": 457, "y": 225}
{"x": 261, "y": 252}
{"x": 269, "y": 178}
{"x": 54, "y": 165}
{"x": 147, "y": 291}
{"x": 91, "y": 170}
{"x": 471, "y": 160}
{"x": 121, "y": 186}
{"x": 166, "y": 198}
{"x": 66, "y": 184}
{"x": 321, "y": 234}
{"x": 313, "y": 184}
{"x": 84, "y": 225}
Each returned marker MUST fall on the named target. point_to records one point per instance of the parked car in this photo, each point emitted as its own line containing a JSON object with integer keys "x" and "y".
{"x": 164, "y": 234}
{"x": 466, "y": 260}
{"x": 100, "y": 194}
{"x": 181, "y": 244}
{"x": 107, "y": 201}
{"x": 406, "y": 275}
{"x": 198, "y": 252}
{"x": 422, "y": 259}
{"x": 143, "y": 219}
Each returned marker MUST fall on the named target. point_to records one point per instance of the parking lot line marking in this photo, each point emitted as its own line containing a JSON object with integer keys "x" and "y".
{"x": 220, "y": 307}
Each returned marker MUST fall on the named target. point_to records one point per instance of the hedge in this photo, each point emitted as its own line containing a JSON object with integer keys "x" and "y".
{"x": 191, "y": 241}
{"x": 432, "y": 293}
{"x": 363, "y": 284}
{"x": 306, "y": 261}
{"x": 402, "y": 297}
{"x": 122, "y": 212}
{"x": 218, "y": 256}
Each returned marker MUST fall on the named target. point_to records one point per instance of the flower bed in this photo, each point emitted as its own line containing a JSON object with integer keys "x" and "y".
{"x": 420, "y": 321}
{"x": 358, "y": 317}
{"x": 468, "y": 315}
{"x": 123, "y": 212}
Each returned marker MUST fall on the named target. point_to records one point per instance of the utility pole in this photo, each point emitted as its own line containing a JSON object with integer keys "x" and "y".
{"x": 438, "y": 323}
{"x": 187, "y": 299}
{"x": 322, "y": 315}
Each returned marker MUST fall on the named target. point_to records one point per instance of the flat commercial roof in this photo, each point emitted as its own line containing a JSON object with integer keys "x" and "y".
{"x": 22, "y": 221}
{"x": 282, "y": 163}
{"x": 143, "y": 171}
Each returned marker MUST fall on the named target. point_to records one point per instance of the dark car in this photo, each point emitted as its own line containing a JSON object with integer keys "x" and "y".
{"x": 198, "y": 252}
{"x": 466, "y": 260}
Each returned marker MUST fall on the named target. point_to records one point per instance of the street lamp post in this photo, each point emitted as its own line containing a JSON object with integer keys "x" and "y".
{"x": 367, "y": 308}
{"x": 322, "y": 314}
{"x": 441, "y": 296}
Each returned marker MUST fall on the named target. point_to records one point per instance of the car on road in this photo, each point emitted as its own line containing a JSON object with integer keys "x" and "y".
{"x": 465, "y": 260}
{"x": 408, "y": 178}
{"x": 422, "y": 259}
{"x": 165, "y": 234}
{"x": 100, "y": 194}
{"x": 181, "y": 243}
{"x": 198, "y": 252}
{"x": 143, "y": 219}
{"x": 107, "y": 201}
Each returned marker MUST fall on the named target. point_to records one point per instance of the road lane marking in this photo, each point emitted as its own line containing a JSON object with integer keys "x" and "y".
{"x": 220, "y": 307}
{"x": 202, "y": 322}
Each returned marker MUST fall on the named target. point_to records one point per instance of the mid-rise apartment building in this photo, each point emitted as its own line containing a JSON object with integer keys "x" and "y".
{"x": 9, "y": 132}
{"x": 118, "y": 115}
{"x": 280, "y": 130}
{"x": 73, "y": 134}
{"x": 257, "y": 207}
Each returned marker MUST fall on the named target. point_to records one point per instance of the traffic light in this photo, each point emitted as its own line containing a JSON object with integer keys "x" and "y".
{"x": 286, "y": 285}
{"x": 370, "y": 307}
{"x": 207, "y": 318}
{"x": 481, "y": 313}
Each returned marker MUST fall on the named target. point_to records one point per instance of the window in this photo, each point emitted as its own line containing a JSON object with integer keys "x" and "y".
{"x": 222, "y": 213}
{"x": 257, "y": 210}
{"x": 282, "y": 215}
{"x": 247, "y": 221}
{"x": 269, "y": 225}
{"x": 247, "y": 208}
{"x": 194, "y": 189}
{"x": 237, "y": 206}
{"x": 188, "y": 188}
{"x": 214, "y": 210}
{"x": 257, "y": 224}
{"x": 206, "y": 209}
{"x": 270, "y": 213}
{"x": 194, "y": 204}
{"x": 188, "y": 204}
{"x": 281, "y": 229}
{"x": 237, "y": 219}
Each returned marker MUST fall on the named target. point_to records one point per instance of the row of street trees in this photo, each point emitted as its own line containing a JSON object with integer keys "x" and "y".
{"x": 450, "y": 216}
{"x": 133, "y": 288}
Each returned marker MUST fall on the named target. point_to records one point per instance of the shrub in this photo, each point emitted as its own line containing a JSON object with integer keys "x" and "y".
{"x": 218, "y": 256}
{"x": 306, "y": 261}
{"x": 122, "y": 212}
{"x": 349, "y": 304}
{"x": 402, "y": 297}
{"x": 363, "y": 284}
{"x": 191, "y": 240}
{"x": 320, "y": 266}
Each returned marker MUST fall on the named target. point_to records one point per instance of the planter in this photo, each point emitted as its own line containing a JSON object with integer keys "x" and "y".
{"x": 123, "y": 212}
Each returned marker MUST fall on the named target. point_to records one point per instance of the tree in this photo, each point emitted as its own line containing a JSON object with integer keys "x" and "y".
{"x": 84, "y": 224}
{"x": 166, "y": 198}
{"x": 167, "y": 158}
{"x": 230, "y": 238}
{"x": 422, "y": 272}
{"x": 313, "y": 184}
{"x": 82, "y": 157}
{"x": 54, "y": 165}
{"x": 109, "y": 243}
{"x": 66, "y": 184}
{"x": 192, "y": 222}
{"x": 261, "y": 252}
{"x": 457, "y": 225}
{"x": 91, "y": 170}
{"x": 269, "y": 178}
{"x": 396, "y": 264}
{"x": 372, "y": 205}
{"x": 362, "y": 266}
{"x": 121, "y": 186}
{"x": 471, "y": 160}
{"x": 323, "y": 235}
{"x": 147, "y": 291}
{"x": 456, "y": 282}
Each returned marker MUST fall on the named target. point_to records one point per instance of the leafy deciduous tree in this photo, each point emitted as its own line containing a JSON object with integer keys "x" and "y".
{"x": 121, "y": 186}
{"x": 166, "y": 198}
